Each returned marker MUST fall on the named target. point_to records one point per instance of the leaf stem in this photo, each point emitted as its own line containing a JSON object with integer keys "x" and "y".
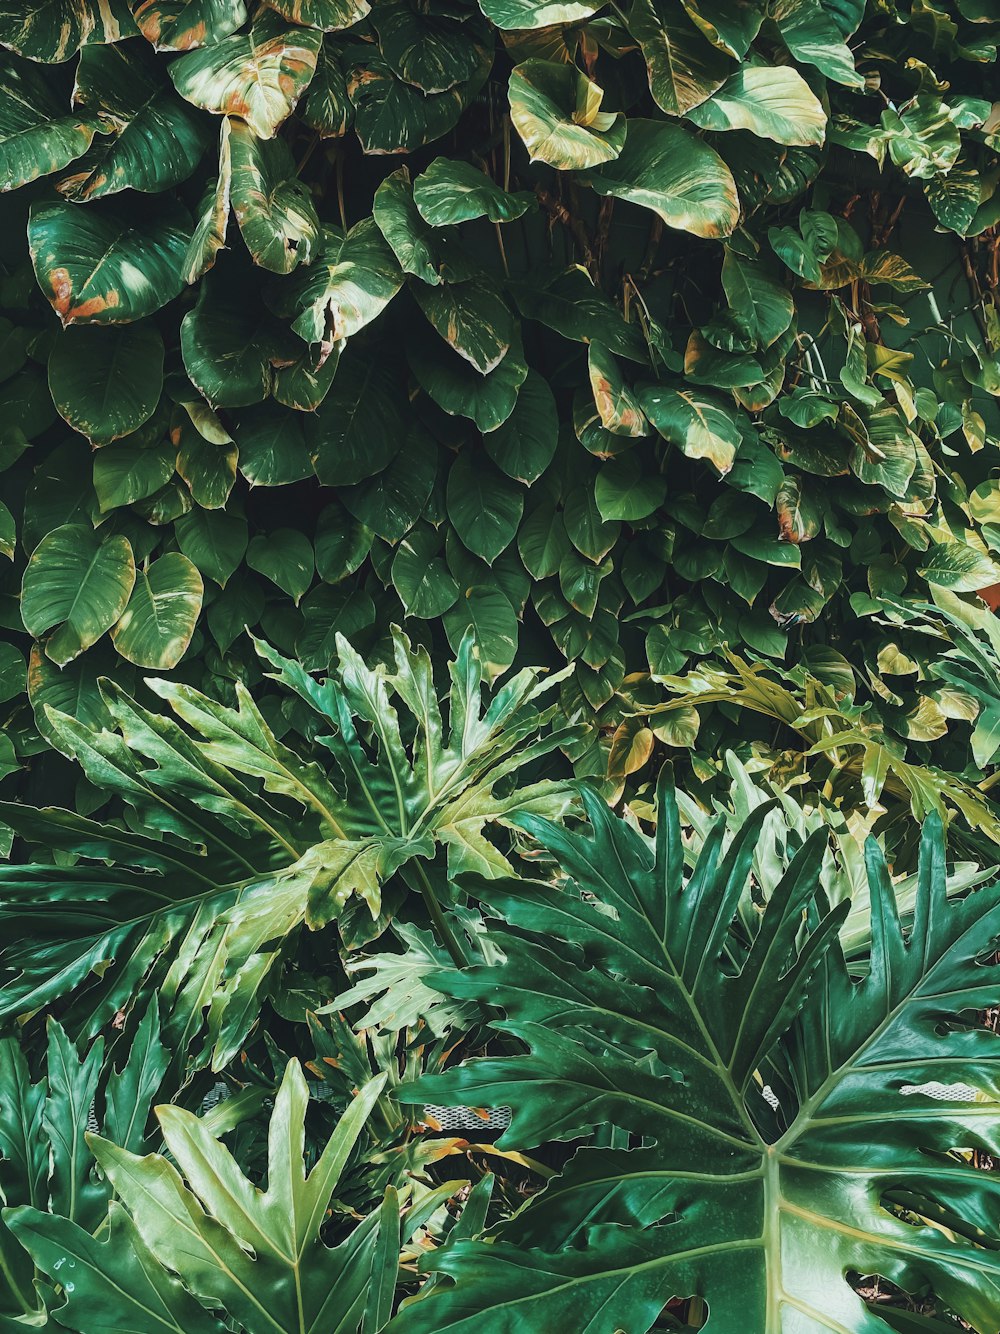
{"x": 447, "y": 937}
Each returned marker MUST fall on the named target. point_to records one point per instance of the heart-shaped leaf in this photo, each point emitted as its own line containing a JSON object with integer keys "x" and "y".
{"x": 77, "y": 584}
{"x": 258, "y": 75}
{"x": 684, "y": 67}
{"x": 773, "y": 103}
{"x": 545, "y": 105}
{"x": 159, "y": 620}
{"x": 104, "y": 266}
{"x": 450, "y": 192}
{"x": 274, "y": 209}
{"x": 666, "y": 169}
{"x": 107, "y": 382}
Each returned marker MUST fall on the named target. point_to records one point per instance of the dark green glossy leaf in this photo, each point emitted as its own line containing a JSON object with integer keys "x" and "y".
{"x": 106, "y": 382}
{"x": 37, "y": 135}
{"x": 102, "y": 266}
{"x": 76, "y": 586}
{"x": 155, "y": 139}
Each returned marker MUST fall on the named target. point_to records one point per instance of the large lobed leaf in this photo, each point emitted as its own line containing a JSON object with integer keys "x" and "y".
{"x": 787, "y": 1137}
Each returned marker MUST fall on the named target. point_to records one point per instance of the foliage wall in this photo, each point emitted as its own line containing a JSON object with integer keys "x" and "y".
{"x": 614, "y": 336}
{"x": 639, "y": 362}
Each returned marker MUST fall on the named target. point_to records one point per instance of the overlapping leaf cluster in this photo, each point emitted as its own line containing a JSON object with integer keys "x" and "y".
{"x": 615, "y": 334}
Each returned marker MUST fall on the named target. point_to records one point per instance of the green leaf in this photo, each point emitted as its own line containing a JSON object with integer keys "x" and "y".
{"x": 181, "y": 25}
{"x": 955, "y": 197}
{"x": 274, "y": 209}
{"x": 125, "y": 473}
{"x": 286, "y": 558}
{"x": 258, "y": 75}
{"x": 410, "y": 238}
{"x": 761, "y": 304}
{"x": 701, "y": 427}
{"x": 616, "y": 404}
{"x": 326, "y": 107}
{"x": 457, "y": 387}
{"x": 572, "y": 305}
{"x": 210, "y": 230}
{"x": 155, "y": 628}
{"x": 328, "y": 15}
{"x": 54, "y": 30}
{"x": 472, "y": 317}
{"x": 106, "y": 382}
{"x": 214, "y": 542}
{"x": 451, "y": 192}
{"x": 97, "y": 266}
{"x": 353, "y": 279}
{"x": 528, "y": 14}
{"x": 959, "y": 567}
{"x": 556, "y": 111}
{"x": 431, "y": 49}
{"x": 117, "y": 1284}
{"x": 647, "y": 998}
{"x": 37, "y": 135}
{"x": 342, "y": 544}
{"x": 360, "y": 426}
{"x": 256, "y": 1254}
{"x": 813, "y": 38}
{"x": 524, "y": 445}
{"x": 229, "y": 345}
{"x": 391, "y": 502}
{"x": 684, "y": 68}
{"x": 156, "y": 140}
{"x": 731, "y": 25}
{"x": 773, "y": 103}
{"x": 76, "y": 585}
{"x": 426, "y": 587}
{"x": 623, "y": 490}
{"x": 664, "y": 168}
{"x": 207, "y": 466}
{"x": 393, "y": 117}
{"x": 484, "y": 505}
{"x": 486, "y": 613}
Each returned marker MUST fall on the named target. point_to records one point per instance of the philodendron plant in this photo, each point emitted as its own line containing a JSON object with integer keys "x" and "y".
{"x": 229, "y": 841}
{"x": 781, "y": 1122}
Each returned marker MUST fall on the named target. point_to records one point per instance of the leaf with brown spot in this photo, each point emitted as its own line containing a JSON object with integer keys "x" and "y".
{"x": 259, "y": 74}
{"x": 274, "y": 209}
{"x": 328, "y": 15}
{"x": 101, "y": 266}
{"x": 152, "y": 140}
{"x": 37, "y": 136}
{"x": 472, "y": 317}
{"x": 51, "y": 31}
{"x": 352, "y": 280}
{"x": 213, "y": 221}
{"x": 182, "y": 25}
{"x": 616, "y": 404}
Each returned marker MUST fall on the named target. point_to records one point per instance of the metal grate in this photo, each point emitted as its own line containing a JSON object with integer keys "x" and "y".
{"x": 467, "y": 1118}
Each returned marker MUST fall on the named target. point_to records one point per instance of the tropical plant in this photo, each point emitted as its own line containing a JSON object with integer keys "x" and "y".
{"x": 194, "y": 1247}
{"x": 652, "y": 345}
{"x": 775, "y": 1130}
{"x": 229, "y": 841}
